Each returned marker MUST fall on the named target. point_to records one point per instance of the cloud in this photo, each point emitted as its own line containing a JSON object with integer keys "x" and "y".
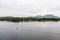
{"x": 29, "y": 7}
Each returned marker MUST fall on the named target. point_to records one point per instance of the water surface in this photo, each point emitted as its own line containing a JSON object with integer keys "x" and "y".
{"x": 30, "y": 30}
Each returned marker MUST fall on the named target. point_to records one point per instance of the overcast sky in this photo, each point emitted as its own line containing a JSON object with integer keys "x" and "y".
{"x": 29, "y": 7}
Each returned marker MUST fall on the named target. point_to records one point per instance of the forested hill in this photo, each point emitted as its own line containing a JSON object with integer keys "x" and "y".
{"x": 27, "y": 19}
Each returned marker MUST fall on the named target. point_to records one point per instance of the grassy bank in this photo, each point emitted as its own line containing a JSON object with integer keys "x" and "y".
{"x": 27, "y": 19}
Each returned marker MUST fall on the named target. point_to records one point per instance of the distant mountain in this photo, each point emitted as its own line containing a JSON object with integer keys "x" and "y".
{"x": 38, "y": 16}
{"x": 46, "y": 16}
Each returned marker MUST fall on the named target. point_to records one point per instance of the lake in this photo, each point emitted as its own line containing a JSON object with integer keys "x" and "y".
{"x": 30, "y": 31}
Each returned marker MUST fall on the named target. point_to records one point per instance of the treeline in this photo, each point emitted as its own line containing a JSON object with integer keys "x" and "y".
{"x": 27, "y": 19}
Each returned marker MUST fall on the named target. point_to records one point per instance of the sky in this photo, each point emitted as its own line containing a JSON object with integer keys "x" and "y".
{"x": 23, "y": 8}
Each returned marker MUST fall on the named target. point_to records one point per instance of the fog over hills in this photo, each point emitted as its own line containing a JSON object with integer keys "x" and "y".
{"x": 46, "y": 16}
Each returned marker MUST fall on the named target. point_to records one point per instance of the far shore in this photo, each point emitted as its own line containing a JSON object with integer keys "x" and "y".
{"x": 28, "y": 19}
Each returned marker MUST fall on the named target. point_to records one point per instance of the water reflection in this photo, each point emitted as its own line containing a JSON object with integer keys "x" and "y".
{"x": 30, "y": 31}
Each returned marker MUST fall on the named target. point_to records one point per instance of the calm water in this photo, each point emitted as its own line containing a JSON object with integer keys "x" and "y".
{"x": 30, "y": 31}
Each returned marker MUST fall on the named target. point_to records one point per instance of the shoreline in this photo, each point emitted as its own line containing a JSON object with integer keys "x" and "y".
{"x": 18, "y": 19}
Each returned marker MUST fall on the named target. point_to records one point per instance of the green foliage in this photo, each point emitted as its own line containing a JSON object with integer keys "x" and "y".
{"x": 18, "y": 19}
